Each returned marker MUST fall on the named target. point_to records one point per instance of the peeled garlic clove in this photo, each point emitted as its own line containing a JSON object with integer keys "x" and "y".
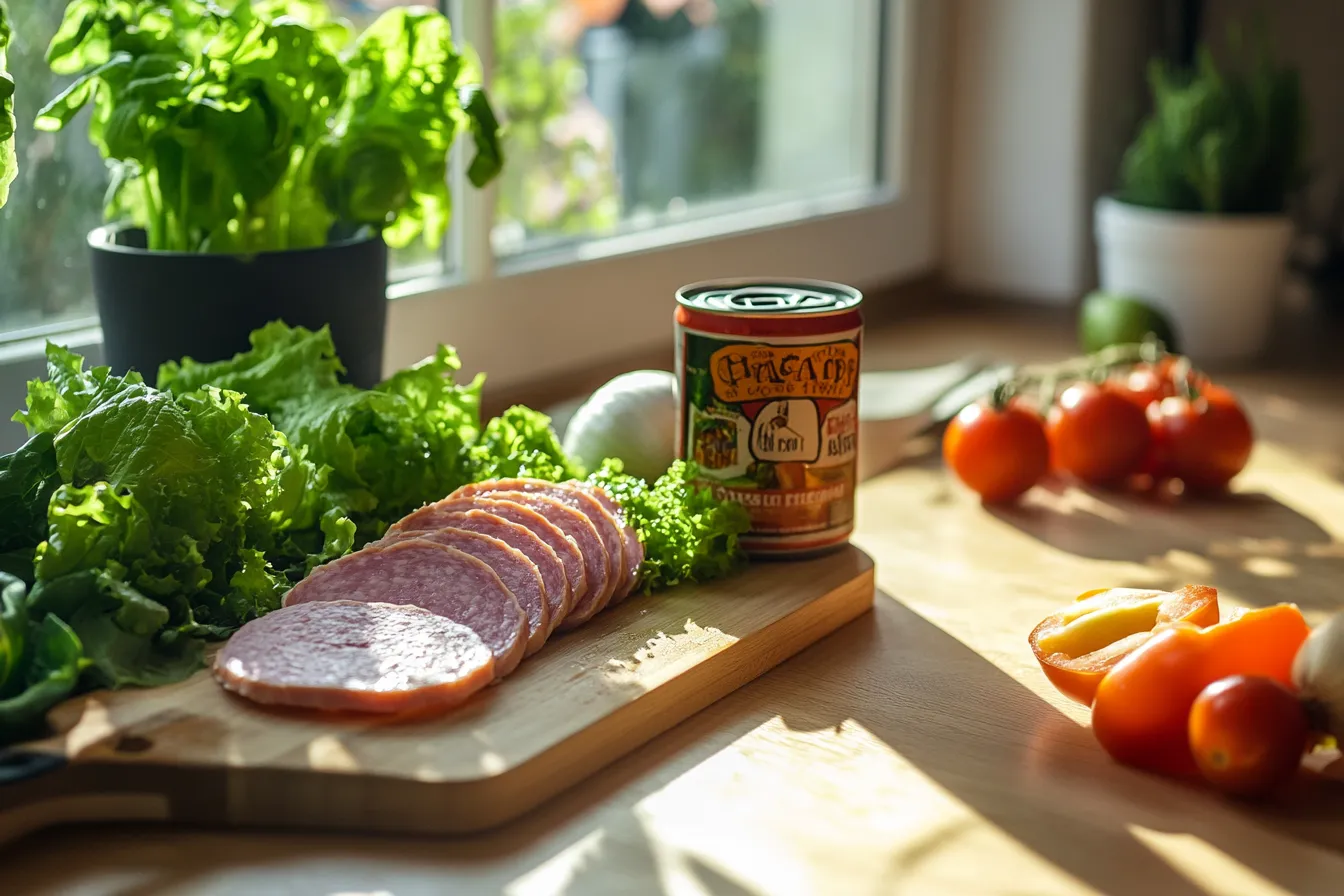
{"x": 1318, "y": 675}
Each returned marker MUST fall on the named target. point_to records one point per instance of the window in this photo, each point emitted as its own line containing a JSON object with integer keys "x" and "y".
{"x": 57, "y": 199}
{"x": 650, "y": 143}
{"x": 627, "y": 116}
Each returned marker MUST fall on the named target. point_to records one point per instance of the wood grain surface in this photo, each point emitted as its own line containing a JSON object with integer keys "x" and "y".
{"x": 918, "y": 750}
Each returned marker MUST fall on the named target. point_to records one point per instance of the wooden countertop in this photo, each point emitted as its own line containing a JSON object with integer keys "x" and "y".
{"x": 917, "y": 750}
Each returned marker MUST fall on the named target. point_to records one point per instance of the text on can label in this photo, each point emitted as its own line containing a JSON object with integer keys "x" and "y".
{"x": 754, "y": 372}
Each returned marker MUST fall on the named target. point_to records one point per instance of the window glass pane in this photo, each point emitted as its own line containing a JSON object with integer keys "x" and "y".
{"x": 58, "y": 197}
{"x": 627, "y": 114}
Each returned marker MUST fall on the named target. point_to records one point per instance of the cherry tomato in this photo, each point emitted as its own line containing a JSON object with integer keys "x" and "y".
{"x": 1141, "y": 711}
{"x": 1247, "y": 734}
{"x": 1142, "y": 386}
{"x": 998, "y": 453}
{"x": 1145, "y": 383}
{"x": 1096, "y": 434}
{"x": 1204, "y": 442}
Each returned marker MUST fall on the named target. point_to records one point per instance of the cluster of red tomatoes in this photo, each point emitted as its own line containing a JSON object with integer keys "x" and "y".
{"x": 1159, "y": 420}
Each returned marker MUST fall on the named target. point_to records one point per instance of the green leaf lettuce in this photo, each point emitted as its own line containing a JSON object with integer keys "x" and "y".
{"x": 149, "y": 521}
{"x": 688, "y": 534}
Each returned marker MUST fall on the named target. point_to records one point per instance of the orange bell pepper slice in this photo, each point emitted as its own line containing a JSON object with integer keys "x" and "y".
{"x": 1077, "y": 646}
{"x": 1142, "y": 707}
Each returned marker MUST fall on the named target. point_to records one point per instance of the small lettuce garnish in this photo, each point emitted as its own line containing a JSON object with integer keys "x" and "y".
{"x": 688, "y": 534}
{"x": 521, "y": 442}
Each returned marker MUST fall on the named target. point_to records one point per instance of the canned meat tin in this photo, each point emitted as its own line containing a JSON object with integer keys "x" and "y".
{"x": 768, "y": 379}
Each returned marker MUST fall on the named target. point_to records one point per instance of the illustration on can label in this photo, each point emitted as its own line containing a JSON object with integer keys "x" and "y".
{"x": 775, "y": 426}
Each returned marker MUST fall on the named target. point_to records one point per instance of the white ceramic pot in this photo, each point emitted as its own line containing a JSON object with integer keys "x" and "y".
{"x": 1217, "y": 277}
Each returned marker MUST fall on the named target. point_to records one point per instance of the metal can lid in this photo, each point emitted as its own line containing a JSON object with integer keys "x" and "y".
{"x": 762, "y": 298}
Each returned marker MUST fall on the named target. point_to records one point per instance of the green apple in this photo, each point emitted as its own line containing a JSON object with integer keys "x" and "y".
{"x": 1108, "y": 318}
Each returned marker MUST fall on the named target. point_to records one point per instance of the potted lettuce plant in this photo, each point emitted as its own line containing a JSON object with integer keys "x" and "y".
{"x": 263, "y": 158}
{"x": 1199, "y": 226}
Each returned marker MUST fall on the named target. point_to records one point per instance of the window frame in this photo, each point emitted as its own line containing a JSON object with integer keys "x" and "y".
{"x": 532, "y": 317}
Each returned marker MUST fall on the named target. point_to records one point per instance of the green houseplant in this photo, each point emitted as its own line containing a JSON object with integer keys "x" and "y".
{"x": 263, "y": 156}
{"x": 9, "y": 166}
{"x": 1199, "y": 224}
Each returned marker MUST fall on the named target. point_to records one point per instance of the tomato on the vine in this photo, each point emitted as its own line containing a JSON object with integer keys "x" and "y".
{"x": 1247, "y": 734}
{"x": 1097, "y": 434}
{"x": 1142, "y": 386}
{"x": 1146, "y": 383}
{"x": 999, "y": 452}
{"x": 1204, "y": 442}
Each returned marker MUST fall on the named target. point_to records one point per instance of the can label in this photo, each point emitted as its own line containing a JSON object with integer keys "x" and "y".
{"x": 773, "y": 424}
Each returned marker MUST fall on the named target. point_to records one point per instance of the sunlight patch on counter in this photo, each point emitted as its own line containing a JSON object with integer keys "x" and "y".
{"x": 1207, "y": 866}
{"x": 788, "y": 819}
{"x": 558, "y": 874}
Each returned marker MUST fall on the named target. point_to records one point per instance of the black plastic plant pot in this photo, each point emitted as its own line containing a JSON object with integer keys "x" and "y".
{"x": 163, "y": 306}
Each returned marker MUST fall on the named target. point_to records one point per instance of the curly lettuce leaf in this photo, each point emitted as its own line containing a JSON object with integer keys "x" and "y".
{"x": 52, "y": 666}
{"x": 122, "y": 632}
{"x": 283, "y": 362}
{"x": 688, "y": 534}
{"x": 388, "y": 450}
{"x": 40, "y": 662}
{"x": 385, "y": 458}
{"x": 150, "y": 521}
{"x": 13, "y": 630}
{"x": 68, "y": 391}
{"x": 28, "y": 477}
{"x": 521, "y": 442}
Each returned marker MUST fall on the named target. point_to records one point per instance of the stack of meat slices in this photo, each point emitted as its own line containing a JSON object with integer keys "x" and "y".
{"x": 488, "y": 573}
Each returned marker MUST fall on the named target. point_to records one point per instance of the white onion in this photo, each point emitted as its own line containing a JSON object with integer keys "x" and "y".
{"x": 634, "y": 418}
{"x": 1318, "y": 675}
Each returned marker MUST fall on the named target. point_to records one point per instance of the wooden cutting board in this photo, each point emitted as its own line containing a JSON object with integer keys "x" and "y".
{"x": 193, "y": 753}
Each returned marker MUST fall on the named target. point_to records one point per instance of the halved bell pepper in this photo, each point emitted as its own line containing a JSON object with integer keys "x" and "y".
{"x": 1142, "y": 707}
{"x": 1077, "y": 646}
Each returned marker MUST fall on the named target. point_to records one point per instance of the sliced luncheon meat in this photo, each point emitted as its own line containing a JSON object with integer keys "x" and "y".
{"x": 577, "y": 497}
{"x": 443, "y": 580}
{"x": 544, "y": 558}
{"x": 578, "y": 526}
{"x": 634, "y": 548}
{"x": 353, "y": 655}
{"x": 517, "y": 573}
{"x": 575, "y": 579}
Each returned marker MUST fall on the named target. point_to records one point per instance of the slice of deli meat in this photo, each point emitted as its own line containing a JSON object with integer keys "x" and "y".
{"x": 351, "y": 655}
{"x": 522, "y": 539}
{"x": 579, "y": 527}
{"x": 517, "y": 573}
{"x": 578, "y": 497}
{"x": 634, "y": 548}
{"x": 575, "y": 581}
{"x": 442, "y": 580}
